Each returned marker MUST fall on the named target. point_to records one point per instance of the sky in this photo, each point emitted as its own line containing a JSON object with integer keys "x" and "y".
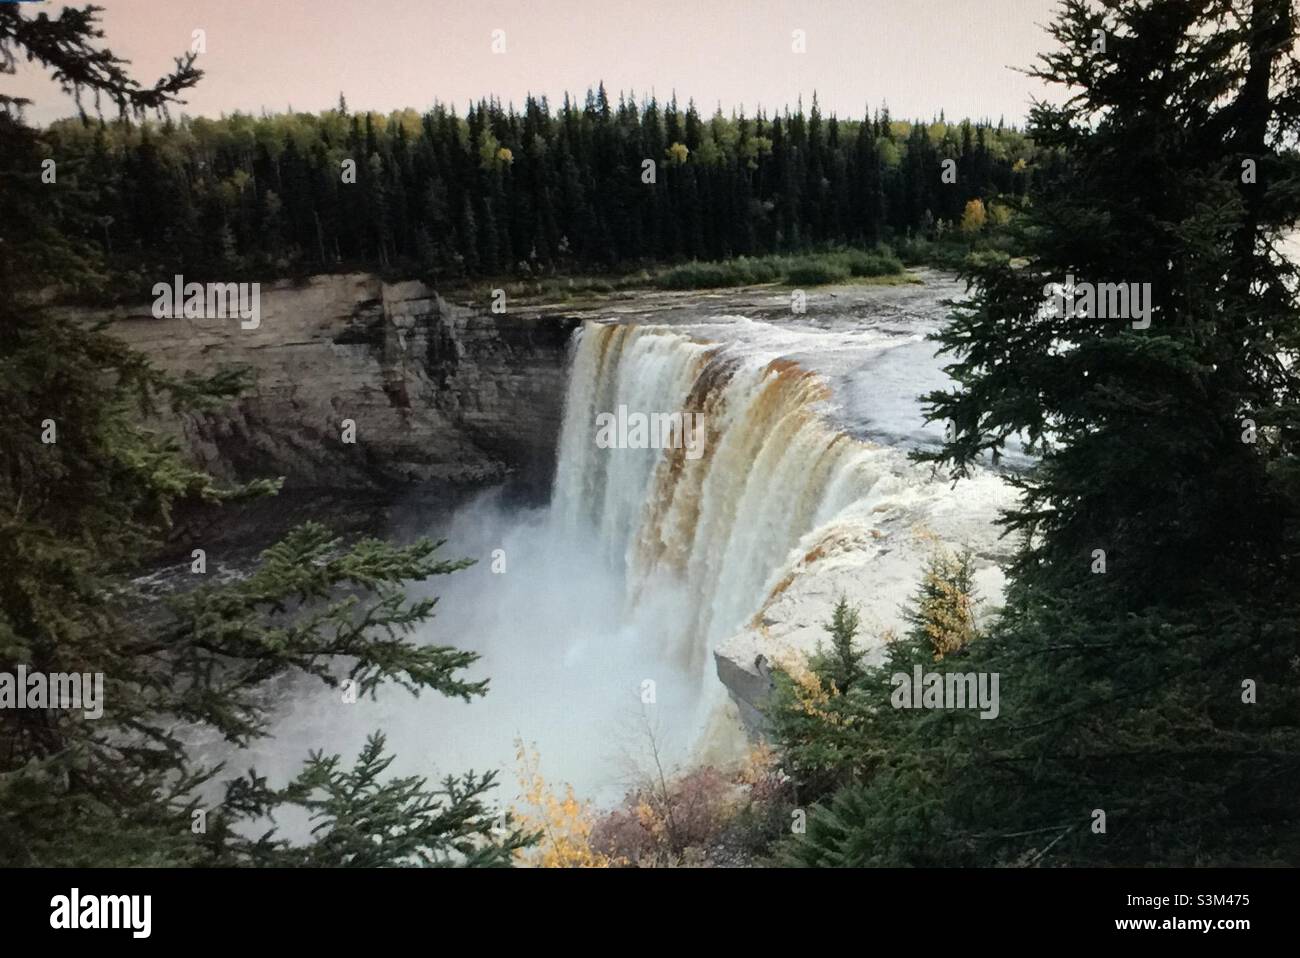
{"x": 919, "y": 56}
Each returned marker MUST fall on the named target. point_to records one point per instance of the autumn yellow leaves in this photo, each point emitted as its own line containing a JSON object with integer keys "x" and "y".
{"x": 704, "y": 816}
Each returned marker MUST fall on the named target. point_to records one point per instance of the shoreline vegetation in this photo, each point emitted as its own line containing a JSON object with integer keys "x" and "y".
{"x": 878, "y": 266}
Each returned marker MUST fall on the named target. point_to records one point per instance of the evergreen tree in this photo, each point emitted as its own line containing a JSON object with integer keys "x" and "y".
{"x": 828, "y": 723}
{"x": 1149, "y": 645}
{"x": 942, "y": 611}
{"x": 529, "y": 179}
{"x": 842, "y": 663}
{"x": 87, "y": 492}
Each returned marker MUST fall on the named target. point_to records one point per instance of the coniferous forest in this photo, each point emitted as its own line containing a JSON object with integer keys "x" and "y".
{"x": 528, "y": 192}
{"x": 1094, "y": 512}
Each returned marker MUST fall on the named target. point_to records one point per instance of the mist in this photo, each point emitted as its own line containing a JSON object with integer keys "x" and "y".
{"x": 568, "y": 662}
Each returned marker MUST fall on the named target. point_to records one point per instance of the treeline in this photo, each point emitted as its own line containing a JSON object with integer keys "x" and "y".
{"x": 524, "y": 193}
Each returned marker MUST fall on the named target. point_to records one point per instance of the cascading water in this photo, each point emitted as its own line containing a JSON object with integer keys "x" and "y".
{"x": 713, "y": 530}
{"x": 718, "y": 540}
{"x": 649, "y": 562}
{"x": 669, "y": 522}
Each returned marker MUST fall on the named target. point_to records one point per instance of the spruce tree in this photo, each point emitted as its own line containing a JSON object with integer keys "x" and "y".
{"x": 812, "y": 712}
{"x": 87, "y": 493}
{"x": 942, "y": 611}
{"x": 577, "y": 175}
{"x": 1153, "y": 626}
{"x": 1149, "y": 646}
{"x": 842, "y": 663}
{"x": 834, "y": 729}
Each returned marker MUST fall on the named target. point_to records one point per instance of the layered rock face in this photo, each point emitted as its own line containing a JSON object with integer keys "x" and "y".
{"x": 437, "y": 392}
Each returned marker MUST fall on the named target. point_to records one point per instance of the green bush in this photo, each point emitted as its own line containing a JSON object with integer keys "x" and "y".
{"x": 764, "y": 269}
{"x": 914, "y": 251}
{"x": 706, "y": 275}
{"x": 810, "y": 270}
{"x": 816, "y": 272}
{"x": 879, "y": 263}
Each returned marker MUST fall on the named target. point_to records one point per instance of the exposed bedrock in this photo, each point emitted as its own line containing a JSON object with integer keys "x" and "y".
{"x": 437, "y": 392}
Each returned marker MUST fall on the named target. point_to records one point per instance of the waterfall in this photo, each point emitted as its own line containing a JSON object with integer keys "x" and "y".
{"x": 670, "y": 567}
{"x": 717, "y": 530}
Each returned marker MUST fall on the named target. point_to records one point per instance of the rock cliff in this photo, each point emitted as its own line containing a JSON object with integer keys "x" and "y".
{"x": 437, "y": 392}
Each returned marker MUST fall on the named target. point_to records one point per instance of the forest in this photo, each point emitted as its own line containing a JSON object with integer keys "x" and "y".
{"x": 596, "y": 186}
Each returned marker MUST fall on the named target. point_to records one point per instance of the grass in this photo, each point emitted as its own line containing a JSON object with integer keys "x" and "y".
{"x": 811, "y": 269}
{"x": 953, "y": 252}
{"x": 836, "y": 266}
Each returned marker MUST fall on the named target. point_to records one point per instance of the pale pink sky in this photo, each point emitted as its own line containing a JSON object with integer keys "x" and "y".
{"x": 918, "y": 55}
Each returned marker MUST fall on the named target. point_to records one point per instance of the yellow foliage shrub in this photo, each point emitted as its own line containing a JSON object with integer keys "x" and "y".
{"x": 973, "y": 217}
{"x": 564, "y": 822}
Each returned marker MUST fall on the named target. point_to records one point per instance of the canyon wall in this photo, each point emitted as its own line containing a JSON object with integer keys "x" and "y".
{"x": 438, "y": 392}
